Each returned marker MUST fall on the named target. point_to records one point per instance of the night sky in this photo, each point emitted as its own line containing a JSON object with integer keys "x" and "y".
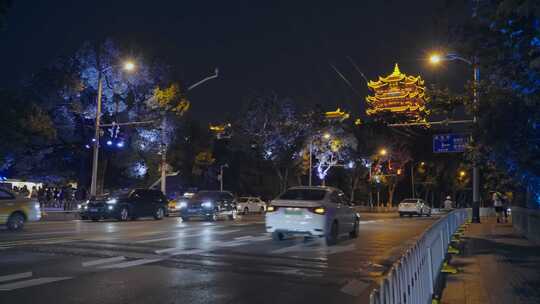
{"x": 280, "y": 46}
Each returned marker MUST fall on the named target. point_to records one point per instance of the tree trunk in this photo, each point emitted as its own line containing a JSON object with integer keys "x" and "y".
{"x": 391, "y": 189}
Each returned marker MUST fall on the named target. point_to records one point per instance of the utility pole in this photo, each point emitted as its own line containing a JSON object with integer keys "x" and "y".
{"x": 221, "y": 176}
{"x": 412, "y": 179}
{"x": 163, "y": 158}
{"x": 95, "y": 159}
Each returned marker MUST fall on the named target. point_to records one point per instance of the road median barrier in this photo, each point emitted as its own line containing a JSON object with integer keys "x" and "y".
{"x": 415, "y": 276}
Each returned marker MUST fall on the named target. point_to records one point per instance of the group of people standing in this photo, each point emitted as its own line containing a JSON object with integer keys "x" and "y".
{"x": 64, "y": 197}
{"x": 500, "y": 203}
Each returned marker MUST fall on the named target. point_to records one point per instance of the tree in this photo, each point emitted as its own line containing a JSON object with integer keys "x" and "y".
{"x": 276, "y": 131}
{"x": 505, "y": 36}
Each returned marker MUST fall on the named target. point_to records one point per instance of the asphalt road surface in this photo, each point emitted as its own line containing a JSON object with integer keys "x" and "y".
{"x": 171, "y": 261}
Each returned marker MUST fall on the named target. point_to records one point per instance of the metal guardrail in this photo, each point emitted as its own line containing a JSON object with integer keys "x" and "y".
{"x": 527, "y": 223}
{"x": 412, "y": 278}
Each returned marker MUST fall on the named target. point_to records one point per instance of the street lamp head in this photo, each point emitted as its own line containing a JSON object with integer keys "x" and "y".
{"x": 383, "y": 152}
{"x": 435, "y": 59}
{"x": 422, "y": 163}
{"x": 129, "y": 66}
{"x": 462, "y": 173}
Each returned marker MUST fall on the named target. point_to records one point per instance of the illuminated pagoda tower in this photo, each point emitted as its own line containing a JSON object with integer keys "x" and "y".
{"x": 398, "y": 94}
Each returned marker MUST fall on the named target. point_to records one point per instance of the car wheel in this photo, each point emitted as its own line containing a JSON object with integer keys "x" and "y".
{"x": 185, "y": 219}
{"x": 213, "y": 217}
{"x": 400, "y": 214}
{"x": 332, "y": 236}
{"x": 262, "y": 210}
{"x": 277, "y": 236}
{"x": 356, "y": 229}
{"x": 159, "y": 214}
{"x": 95, "y": 219}
{"x": 15, "y": 222}
{"x": 124, "y": 214}
{"x": 246, "y": 211}
{"x": 233, "y": 215}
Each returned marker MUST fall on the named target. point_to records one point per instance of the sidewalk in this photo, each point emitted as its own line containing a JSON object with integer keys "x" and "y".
{"x": 497, "y": 266}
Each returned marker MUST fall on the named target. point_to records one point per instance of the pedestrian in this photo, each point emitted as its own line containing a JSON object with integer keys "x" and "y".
{"x": 498, "y": 204}
{"x": 448, "y": 203}
{"x": 506, "y": 205}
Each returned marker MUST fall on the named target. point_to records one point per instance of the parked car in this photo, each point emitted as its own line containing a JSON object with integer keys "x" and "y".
{"x": 210, "y": 205}
{"x": 312, "y": 212}
{"x": 16, "y": 210}
{"x": 251, "y": 205}
{"x": 131, "y": 205}
{"x": 414, "y": 206}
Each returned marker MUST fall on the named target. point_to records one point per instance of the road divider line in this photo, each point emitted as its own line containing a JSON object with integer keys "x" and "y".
{"x": 31, "y": 282}
{"x": 131, "y": 263}
{"x": 103, "y": 261}
{"x": 16, "y": 276}
{"x": 185, "y": 236}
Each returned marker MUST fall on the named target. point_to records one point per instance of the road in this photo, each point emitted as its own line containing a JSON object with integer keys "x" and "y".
{"x": 171, "y": 261}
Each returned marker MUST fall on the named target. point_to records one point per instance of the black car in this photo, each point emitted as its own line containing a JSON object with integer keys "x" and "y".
{"x": 209, "y": 205}
{"x": 137, "y": 203}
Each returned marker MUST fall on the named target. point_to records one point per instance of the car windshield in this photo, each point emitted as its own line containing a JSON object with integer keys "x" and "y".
{"x": 303, "y": 194}
{"x": 409, "y": 201}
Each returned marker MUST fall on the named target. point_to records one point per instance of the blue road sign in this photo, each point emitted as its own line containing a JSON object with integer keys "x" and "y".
{"x": 450, "y": 143}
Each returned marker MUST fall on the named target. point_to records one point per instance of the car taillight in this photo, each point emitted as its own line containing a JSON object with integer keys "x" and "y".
{"x": 271, "y": 208}
{"x": 318, "y": 210}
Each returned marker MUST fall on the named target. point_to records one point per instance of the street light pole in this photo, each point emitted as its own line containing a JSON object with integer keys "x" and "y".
{"x": 221, "y": 176}
{"x": 412, "y": 180}
{"x": 93, "y": 184}
{"x": 476, "y": 177}
{"x": 435, "y": 59}
{"x": 310, "y": 160}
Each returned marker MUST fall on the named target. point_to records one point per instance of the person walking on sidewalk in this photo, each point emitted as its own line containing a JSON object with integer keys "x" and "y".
{"x": 498, "y": 204}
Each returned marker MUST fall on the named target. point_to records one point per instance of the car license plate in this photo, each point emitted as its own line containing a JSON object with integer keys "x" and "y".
{"x": 93, "y": 210}
{"x": 291, "y": 211}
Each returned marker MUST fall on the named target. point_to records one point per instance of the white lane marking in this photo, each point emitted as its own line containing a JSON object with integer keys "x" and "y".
{"x": 178, "y": 251}
{"x": 186, "y": 236}
{"x": 297, "y": 247}
{"x": 15, "y": 276}
{"x": 339, "y": 249}
{"x": 131, "y": 263}
{"x": 31, "y": 282}
{"x": 354, "y": 287}
{"x": 304, "y": 247}
{"x": 103, "y": 261}
{"x": 237, "y": 242}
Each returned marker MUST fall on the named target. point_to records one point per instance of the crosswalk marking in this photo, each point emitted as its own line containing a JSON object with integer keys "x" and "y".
{"x": 216, "y": 244}
{"x": 186, "y": 236}
{"x": 16, "y": 276}
{"x": 130, "y": 263}
{"x": 30, "y": 283}
{"x": 103, "y": 261}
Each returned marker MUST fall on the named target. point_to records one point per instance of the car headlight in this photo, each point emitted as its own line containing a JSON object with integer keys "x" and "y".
{"x": 79, "y": 206}
{"x": 36, "y": 206}
{"x": 110, "y": 207}
{"x": 182, "y": 205}
{"x": 112, "y": 201}
{"x": 207, "y": 204}
{"x": 85, "y": 207}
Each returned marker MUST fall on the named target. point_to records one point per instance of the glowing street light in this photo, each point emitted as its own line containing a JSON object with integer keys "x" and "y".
{"x": 129, "y": 66}
{"x": 383, "y": 152}
{"x": 327, "y": 135}
{"x": 462, "y": 173}
{"x": 435, "y": 59}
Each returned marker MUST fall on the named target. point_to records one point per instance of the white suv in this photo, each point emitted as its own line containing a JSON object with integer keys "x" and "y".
{"x": 414, "y": 206}
{"x": 250, "y": 205}
{"x": 312, "y": 211}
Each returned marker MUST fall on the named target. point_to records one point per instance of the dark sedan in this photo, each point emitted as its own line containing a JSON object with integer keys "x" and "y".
{"x": 137, "y": 203}
{"x": 210, "y": 205}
